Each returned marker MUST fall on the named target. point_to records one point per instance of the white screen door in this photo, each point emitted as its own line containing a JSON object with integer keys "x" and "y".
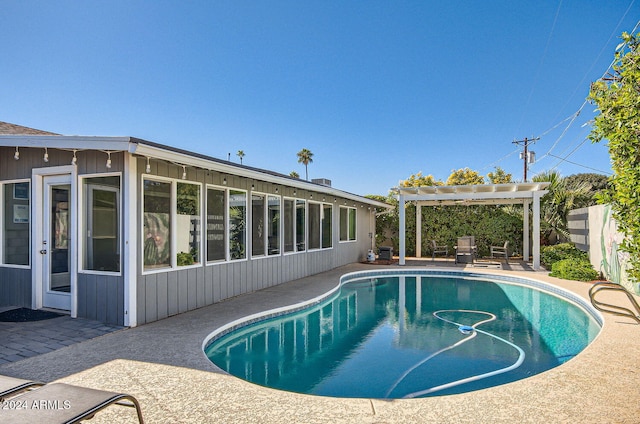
{"x": 57, "y": 242}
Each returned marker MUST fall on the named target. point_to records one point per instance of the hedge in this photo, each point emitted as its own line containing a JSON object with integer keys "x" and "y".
{"x": 574, "y": 269}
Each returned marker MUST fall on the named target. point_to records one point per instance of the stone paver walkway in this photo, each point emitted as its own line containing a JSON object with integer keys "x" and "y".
{"x": 21, "y": 340}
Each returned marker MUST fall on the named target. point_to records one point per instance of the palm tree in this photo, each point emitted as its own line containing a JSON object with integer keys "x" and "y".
{"x": 560, "y": 200}
{"x": 305, "y": 156}
{"x": 240, "y": 155}
{"x": 294, "y": 174}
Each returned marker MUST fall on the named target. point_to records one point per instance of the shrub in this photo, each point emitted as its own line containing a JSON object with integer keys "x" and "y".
{"x": 552, "y": 254}
{"x": 574, "y": 269}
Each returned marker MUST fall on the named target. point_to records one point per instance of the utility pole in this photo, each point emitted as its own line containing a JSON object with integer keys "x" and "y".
{"x": 527, "y": 156}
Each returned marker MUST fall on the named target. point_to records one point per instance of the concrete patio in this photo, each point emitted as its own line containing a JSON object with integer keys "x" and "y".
{"x": 163, "y": 366}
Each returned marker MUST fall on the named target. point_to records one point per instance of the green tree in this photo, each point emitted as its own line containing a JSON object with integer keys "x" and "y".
{"x": 464, "y": 176}
{"x": 305, "y": 157}
{"x": 294, "y": 174}
{"x": 618, "y": 101}
{"x": 598, "y": 184}
{"x": 499, "y": 177}
{"x": 419, "y": 180}
{"x": 240, "y": 154}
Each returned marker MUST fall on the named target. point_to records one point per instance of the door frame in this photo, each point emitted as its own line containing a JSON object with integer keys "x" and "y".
{"x": 38, "y": 191}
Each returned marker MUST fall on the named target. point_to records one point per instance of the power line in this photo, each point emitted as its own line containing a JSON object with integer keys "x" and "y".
{"x": 544, "y": 55}
{"x": 573, "y": 118}
{"x": 575, "y": 115}
{"x": 563, "y": 159}
{"x": 584, "y": 104}
{"x": 540, "y": 136}
{"x": 577, "y": 164}
{"x": 500, "y": 160}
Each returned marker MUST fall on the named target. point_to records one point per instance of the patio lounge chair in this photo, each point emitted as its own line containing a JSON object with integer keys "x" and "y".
{"x": 64, "y": 403}
{"x": 10, "y": 386}
{"x": 438, "y": 249}
{"x": 465, "y": 250}
{"x": 501, "y": 250}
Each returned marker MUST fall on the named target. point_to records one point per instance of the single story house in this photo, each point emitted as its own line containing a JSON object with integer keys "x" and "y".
{"x": 127, "y": 231}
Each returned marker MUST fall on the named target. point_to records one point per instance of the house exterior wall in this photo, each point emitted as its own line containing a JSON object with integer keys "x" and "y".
{"x": 15, "y": 287}
{"x": 163, "y": 294}
{"x": 100, "y": 297}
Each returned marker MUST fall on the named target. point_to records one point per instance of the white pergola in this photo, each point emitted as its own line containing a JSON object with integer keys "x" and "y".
{"x": 481, "y": 194}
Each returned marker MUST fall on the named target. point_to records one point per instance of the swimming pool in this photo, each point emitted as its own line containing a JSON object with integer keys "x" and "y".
{"x": 391, "y": 334}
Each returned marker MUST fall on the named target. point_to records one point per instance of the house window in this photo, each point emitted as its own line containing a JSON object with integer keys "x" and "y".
{"x": 294, "y": 225}
{"x": 289, "y": 225}
{"x": 314, "y": 225}
{"x": 273, "y": 225}
{"x": 320, "y": 230}
{"x": 216, "y": 228}
{"x": 347, "y": 224}
{"x": 300, "y": 225}
{"x": 187, "y": 224}
{"x": 237, "y": 224}
{"x": 156, "y": 224}
{"x": 171, "y": 224}
{"x": 257, "y": 224}
{"x": 327, "y": 236}
{"x": 101, "y": 224}
{"x": 16, "y": 228}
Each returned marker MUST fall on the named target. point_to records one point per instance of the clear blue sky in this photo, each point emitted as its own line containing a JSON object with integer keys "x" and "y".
{"x": 377, "y": 90}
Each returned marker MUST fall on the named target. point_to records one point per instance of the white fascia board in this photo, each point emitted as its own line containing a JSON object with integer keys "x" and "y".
{"x": 187, "y": 160}
{"x": 66, "y": 142}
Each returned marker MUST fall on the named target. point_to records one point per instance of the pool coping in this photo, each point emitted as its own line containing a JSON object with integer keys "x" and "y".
{"x": 162, "y": 364}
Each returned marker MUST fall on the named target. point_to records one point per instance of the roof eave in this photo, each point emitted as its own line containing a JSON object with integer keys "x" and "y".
{"x": 153, "y": 150}
{"x": 66, "y": 142}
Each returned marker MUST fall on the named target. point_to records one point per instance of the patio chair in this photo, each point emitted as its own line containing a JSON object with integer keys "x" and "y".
{"x": 465, "y": 250}
{"x": 501, "y": 250}
{"x": 65, "y": 403}
{"x": 435, "y": 249}
{"x": 10, "y": 386}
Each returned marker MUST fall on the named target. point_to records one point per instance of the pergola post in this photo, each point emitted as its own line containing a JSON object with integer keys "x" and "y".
{"x": 418, "y": 230}
{"x": 525, "y": 231}
{"x": 402, "y": 230}
{"x": 536, "y": 230}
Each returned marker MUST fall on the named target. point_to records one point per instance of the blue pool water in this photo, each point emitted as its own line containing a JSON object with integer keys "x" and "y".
{"x": 405, "y": 336}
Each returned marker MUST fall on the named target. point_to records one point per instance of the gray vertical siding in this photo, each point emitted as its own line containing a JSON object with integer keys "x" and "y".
{"x": 15, "y": 287}
{"x": 89, "y": 162}
{"x": 179, "y": 290}
{"x": 160, "y": 295}
{"x": 176, "y": 291}
{"x": 100, "y": 297}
